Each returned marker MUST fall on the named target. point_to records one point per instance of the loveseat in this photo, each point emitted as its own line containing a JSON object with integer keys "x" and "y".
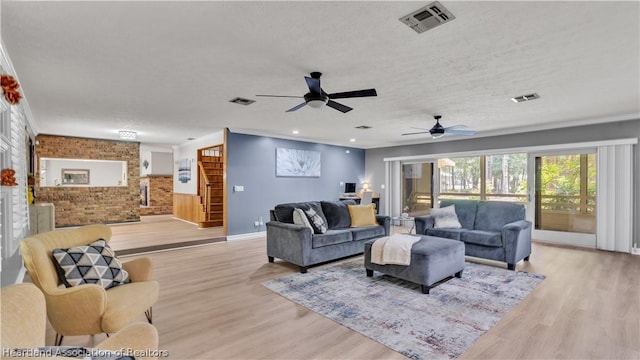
{"x": 495, "y": 230}
{"x": 300, "y": 245}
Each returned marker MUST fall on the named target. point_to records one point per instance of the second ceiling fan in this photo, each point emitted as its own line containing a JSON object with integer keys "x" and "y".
{"x": 438, "y": 130}
{"x": 316, "y": 97}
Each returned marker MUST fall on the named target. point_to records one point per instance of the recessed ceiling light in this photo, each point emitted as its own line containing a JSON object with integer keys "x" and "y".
{"x": 295, "y": 131}
{"x": 352, "y": 140}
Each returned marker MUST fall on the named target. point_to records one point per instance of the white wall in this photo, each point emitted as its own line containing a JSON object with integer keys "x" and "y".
{"x": 190, "y": 151}
{"x": 160, "y": 160}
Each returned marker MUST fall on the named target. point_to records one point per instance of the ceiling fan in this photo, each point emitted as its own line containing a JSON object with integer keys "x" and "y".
{"x": 317, "y": 98}
{"x": 438, "y": 130}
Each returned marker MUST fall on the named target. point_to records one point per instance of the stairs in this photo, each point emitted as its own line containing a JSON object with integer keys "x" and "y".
{"x": 211, "y": 188}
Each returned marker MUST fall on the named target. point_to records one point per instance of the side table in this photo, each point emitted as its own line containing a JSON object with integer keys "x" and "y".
{"x": 408, "y": 223}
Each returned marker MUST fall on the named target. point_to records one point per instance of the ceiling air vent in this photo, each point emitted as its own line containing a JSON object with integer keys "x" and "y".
{"x": 242, "y": 101}
{"x": 523, "y": 98}
{"x": 428, "y": 17}
{"x": 363, "y": 127}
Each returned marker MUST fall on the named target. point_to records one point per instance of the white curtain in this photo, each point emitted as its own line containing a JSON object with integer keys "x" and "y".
{"x": 614, "y": 198}
{"x": 393, "y": 190}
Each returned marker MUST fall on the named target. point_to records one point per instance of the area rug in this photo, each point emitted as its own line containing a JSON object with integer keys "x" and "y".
{"x": 395, "y": 313}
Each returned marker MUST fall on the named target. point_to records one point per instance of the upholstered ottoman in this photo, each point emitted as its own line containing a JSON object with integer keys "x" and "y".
{"x": 432, "y": 259}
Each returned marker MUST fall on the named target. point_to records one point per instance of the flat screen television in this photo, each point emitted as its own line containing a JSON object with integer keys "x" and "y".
{"x": 349, "y": 187}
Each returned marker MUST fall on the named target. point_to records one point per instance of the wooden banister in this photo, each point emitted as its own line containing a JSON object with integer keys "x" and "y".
{"x": 205, "y": 191}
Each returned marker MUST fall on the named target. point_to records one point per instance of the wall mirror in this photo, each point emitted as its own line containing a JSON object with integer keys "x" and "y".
{"x": 81, "y": 172}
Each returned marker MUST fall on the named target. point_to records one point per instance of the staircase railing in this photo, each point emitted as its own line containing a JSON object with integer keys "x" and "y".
{"x": 205, "y": 191}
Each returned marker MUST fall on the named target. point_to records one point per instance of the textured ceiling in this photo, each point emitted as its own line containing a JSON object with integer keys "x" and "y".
{"x": 168, "y": 69}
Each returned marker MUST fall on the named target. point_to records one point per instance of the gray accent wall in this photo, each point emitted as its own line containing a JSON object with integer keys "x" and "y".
{"x": 374, "y": 158}
{"x": 251, "y": 163}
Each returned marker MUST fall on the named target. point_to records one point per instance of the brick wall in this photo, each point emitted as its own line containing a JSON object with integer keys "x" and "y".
{"x": 160, "y": 195}
{"x": 91, "y": 205}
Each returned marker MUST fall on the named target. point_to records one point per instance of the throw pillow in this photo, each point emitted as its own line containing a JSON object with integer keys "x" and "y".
{"x": 445, "y": 217}
{"x": 299, "y": 218}
{"x": 362, "y": 215}
{"x": 95, "y": 263}
{"x": 317, "y": 222}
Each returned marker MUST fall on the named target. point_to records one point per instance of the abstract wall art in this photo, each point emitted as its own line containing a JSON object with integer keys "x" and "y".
{"x": 293, "y": 162}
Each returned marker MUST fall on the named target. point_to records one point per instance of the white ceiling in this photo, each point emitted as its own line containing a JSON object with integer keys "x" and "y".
{"x": 168, "y": 69}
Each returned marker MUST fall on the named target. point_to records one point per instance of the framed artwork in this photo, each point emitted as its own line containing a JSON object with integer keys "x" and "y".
{"x": 75, "y": 176}
{"x": 184, "y": 170}
{"x": 292, "y": 162}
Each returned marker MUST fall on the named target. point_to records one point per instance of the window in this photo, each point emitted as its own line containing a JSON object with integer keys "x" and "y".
{"x": 495, "y": 177}
{"x": 416, "y": 188}
{"x": 566, "y": 193}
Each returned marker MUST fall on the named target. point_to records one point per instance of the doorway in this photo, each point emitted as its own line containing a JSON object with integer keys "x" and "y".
{"x": 562, "y": 197}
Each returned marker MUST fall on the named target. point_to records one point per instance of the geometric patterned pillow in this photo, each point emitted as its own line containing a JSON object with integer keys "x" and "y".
{"x": 95, "y": 263}
{"x": 316, "y": 221}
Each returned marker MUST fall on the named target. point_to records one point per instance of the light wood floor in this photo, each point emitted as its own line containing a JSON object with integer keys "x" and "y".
{"x": 212, "y": 306}
{"x": 159, "y": 230}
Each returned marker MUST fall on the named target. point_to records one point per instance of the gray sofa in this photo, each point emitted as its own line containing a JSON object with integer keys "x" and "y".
{"x": 298, "y": 244}
{"x": 494, "y": 230}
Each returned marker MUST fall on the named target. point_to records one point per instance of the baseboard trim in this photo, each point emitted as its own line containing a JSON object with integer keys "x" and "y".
{"x": 247, "y": 236}
{"x": 635, "y": 251}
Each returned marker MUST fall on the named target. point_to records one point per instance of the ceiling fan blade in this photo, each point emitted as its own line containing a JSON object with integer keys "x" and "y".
{"x": 352, "y": 94}
{"x": 313, "y": 84}
{"x": 419, "y": 128}
{"x": 338, "y": 106}
{"x": 450, "y": 131}
{"x": 297, "y": 107}
{"x": 416, "y": 133}
{"x": 285, "y": 96}
{"x": 457, "y": 127}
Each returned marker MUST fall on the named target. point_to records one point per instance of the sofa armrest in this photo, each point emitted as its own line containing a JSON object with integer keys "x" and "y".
{"x": 140, "y": 269}
{"x": 289, "y": 242}
{"x": 423, "y": 223}
{"x": 385, "y": 221}
{"x": 516, "y": 237}
{"x": 79, "y": 308}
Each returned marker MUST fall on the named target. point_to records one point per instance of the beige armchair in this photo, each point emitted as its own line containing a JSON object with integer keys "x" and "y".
{"x": 87, "y": 309}
{"x": 24, "y": 322}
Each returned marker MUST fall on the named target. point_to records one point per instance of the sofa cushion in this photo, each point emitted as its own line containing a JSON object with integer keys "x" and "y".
{"x": 331, "y": 237}
{"x": 445, "y": 233}
{"x": 445, "y": 217}
{"x": 300, "y": 218}
{"x": 284, "y": 212}
{"x": 465, "y": 209}
{"x": 337, "y": 213}
{"x": 479, "y": 237}
{"x": 368, "y": 232}
{"x": 95, "y": 263}
{"x": 362, "y": 215}
{"x": 317, "y": 222}
{"x": 493, "y": 215}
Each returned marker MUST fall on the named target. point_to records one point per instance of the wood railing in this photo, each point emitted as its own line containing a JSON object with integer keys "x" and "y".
{"x": 205, "y": 191}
